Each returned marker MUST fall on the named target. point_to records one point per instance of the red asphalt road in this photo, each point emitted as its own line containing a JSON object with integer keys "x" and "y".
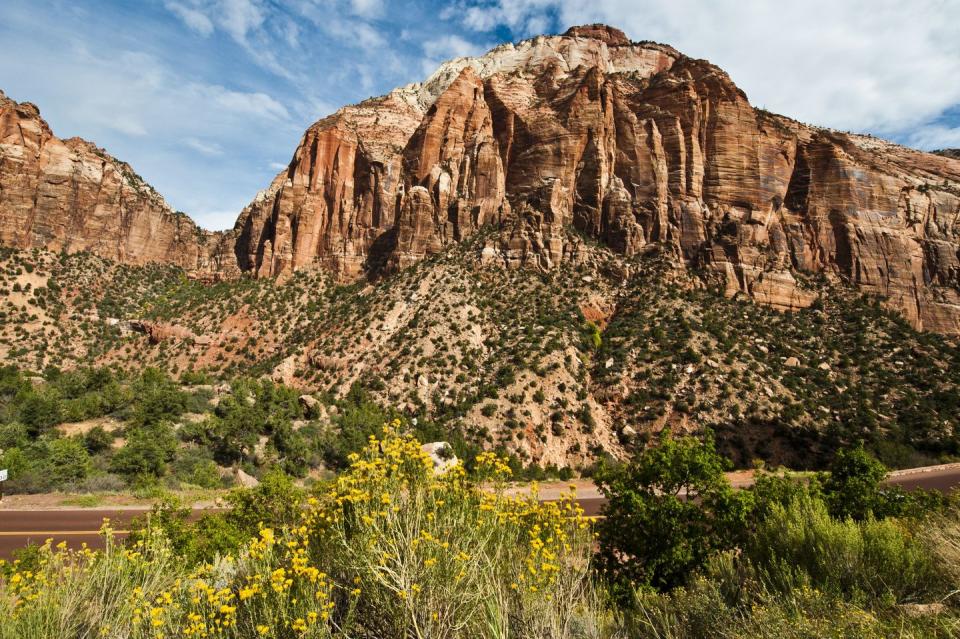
{"x": 19, "y": 528}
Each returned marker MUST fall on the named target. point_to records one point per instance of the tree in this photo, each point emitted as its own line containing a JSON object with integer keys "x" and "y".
{"x": 852, "y": 488}
{"x": 40, "y": 412}
{"x": 97, "y": 440}
{"x": 69, "y": 460}
{"x": 156, "y": 397}
{"x": 667, "y": 512}
{"x": 147, "y": 451}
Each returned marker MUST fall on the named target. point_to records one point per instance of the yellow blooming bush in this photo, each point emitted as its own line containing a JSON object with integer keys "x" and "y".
{"x": 390, "y": 549}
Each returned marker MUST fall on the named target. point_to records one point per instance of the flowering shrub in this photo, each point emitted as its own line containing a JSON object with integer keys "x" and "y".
{"x": 390, "y": 549}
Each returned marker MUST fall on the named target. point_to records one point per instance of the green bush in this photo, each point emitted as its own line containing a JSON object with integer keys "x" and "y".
{"x": 97, "y": 440}
{"x": 147, "y": 452}
{"x": 852, "y": 488}
{"x": 195, "y": 466}
{"x": 801, "y": 545}
{"x": 653, "y": 534}
{"x": 69, "y": 460}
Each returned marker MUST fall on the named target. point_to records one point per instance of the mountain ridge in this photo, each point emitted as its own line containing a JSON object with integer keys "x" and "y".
{"x": 554, "y": 138}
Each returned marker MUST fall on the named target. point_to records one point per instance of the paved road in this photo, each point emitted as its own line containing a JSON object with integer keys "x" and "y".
{"x": 21, "y": 527}
{"x": 942, "y": 478}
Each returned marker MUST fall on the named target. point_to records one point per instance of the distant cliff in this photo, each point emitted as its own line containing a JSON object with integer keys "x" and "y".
{"x": 70, "y": 195}
{"x": 628, "y": 143}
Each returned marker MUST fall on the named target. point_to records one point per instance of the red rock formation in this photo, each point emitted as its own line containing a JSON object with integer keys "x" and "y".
{"x": 629, "y": 143}
{"x": 453, "y": 177}
{"x": 70, "y": 195}
{"x": 547, "y": 140}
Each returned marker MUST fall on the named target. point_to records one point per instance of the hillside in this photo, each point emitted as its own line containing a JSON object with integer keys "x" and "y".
{"x": 558, "y": 367}
{"x": 558, "y": 248}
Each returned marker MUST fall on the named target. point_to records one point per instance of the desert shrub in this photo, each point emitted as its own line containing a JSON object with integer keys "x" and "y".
{"x": 852, "y": 488}
{"x": 156, "y": 398}
{"x": 196, "y": 466}
{"x": 69, "y": 460}
{"x": 13, "y": 434}
{"x": 40, "y": 412}
{"x": 390, "y": 550}
{"x": 801, "y": 545}
{"x": 97, "y": 440}
{"x": 148, "y": 450}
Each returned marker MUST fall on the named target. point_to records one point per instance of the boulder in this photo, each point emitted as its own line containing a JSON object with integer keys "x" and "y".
{"x": 245, "y": 480}
{"x": 442, "y": 455}
{"x": 310, "y": 405}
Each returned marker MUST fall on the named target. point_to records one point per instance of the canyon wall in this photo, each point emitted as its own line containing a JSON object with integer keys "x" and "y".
{"x": 546, "y": 142}
{"x": 630, "y": 144}
{"x": 69, "y": 195}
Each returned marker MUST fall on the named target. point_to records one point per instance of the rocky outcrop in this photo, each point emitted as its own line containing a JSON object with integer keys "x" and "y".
{"x": 69, "y": 195}
{"x": 628, "y": 143}
{"x": 336, "y": 204}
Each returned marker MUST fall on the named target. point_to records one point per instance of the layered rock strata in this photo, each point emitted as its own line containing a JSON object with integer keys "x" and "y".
{"x": 69, "y": 195}
{"x": 548, "y": 142}
{"x": 627, "y": 143}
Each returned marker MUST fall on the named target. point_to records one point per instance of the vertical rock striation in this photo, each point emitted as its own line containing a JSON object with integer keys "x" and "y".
{"x": 69, "y": 195}
{"x": 546, "y": 141}
{"x": 630, "y": 144}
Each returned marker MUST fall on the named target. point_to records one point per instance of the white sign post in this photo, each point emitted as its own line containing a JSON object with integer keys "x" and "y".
{"x": 3, "y": 478}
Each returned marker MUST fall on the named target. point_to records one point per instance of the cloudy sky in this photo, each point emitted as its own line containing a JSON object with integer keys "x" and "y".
{"x": 207, "y": 98}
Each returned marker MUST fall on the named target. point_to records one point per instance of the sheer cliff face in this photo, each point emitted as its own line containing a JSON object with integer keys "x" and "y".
{"x": 631, "y": 144}
{"x": 69, "y": 195}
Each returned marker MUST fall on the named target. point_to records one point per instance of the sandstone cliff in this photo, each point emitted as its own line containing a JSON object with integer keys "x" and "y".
{"x": 546, "y": 142}
{"x": 69, "y": 195}
{"x": 627, "y": 143}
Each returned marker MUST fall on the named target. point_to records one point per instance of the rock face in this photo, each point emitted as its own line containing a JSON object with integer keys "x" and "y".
{"x": 70, "y": 195}
{"x": 545, "y": 142}
{"x": 627, "y": 143}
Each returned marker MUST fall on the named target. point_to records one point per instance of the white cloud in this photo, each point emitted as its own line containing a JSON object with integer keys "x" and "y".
{"x": 880, "y": 65}
{"x": 438, "y": 50}
{"x": 258, "y": 104}
{"x": 367, "y": 8}
{"x": 238, "y": 17}
{"x": 206, "y": 148}
{"x": 450, "y": 46}
{"x": 193, "y": 18}
{"x": 277, "y": 166}
{"x": 934, "y": 137}
{"x": 127, "y": 123}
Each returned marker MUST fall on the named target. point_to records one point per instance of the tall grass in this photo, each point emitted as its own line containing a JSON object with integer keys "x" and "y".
{"x": 805, "y": 574}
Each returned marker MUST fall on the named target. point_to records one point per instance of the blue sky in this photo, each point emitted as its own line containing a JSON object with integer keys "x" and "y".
{"x": 208, "y": 98}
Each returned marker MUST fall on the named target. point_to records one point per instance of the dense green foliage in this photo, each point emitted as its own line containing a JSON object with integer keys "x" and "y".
{"x": 834, "y": 555}
{"x": 771, "y": 562}
{"x": 654, "y": 532}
